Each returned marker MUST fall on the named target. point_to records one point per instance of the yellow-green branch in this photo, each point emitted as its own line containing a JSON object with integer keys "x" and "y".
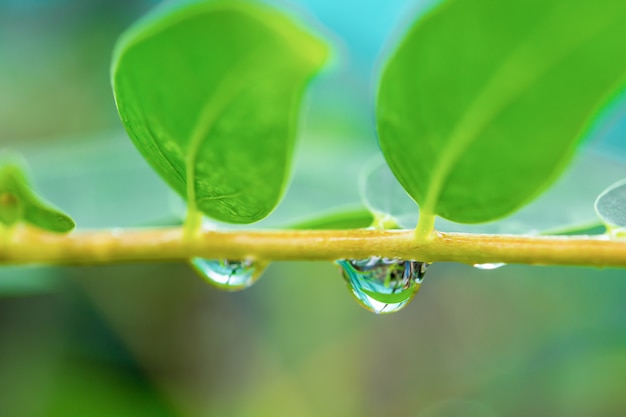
{"x": 28, "y": 246}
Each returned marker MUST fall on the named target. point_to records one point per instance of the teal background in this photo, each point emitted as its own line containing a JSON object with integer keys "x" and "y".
{"x": 155, "y": 340}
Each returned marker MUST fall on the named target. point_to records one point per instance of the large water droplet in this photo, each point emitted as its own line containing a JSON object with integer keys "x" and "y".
{"x": 489, "y": 267}
{"x": 228, "y": 274}
{"x": 383, "y": 285}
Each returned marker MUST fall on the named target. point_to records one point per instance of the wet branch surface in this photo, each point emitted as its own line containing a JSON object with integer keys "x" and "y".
{"x": 30, "y": 246}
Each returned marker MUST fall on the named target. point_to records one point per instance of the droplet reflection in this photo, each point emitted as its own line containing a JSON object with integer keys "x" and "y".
{"x": 383, "y": 285}
{"x": 489, "y": 267}
{"x": 227, "y": 274}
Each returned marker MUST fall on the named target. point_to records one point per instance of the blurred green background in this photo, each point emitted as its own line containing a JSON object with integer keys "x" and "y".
{"x": 155, "y": 340}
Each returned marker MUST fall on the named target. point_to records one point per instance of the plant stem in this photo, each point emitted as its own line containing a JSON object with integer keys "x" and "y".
{"x": 158, "y": 245}
{"x": 425, "y": 226}
{"x": 193, "y": 222}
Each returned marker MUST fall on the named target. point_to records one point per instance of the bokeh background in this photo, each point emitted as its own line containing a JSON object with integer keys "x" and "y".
{"x": 155, "y": 340}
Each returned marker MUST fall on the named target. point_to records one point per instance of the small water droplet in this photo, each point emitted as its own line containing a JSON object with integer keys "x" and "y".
{"x": 228, "y": 274}
{"x": 489, "y": 267}
{"x": 383, "y": 285}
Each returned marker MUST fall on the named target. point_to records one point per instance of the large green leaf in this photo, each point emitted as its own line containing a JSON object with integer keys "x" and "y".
{"x": 565, "y": 208}
{"x": 483, "y": 103}
{"x": 210, "y": 92}
{"x": 18, "y": 203}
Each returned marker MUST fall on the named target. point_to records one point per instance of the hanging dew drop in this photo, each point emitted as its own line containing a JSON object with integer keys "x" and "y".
{"x": 489, "y": 267}
{"x": 383, "y": 285}
{"x": 229, "y": 275}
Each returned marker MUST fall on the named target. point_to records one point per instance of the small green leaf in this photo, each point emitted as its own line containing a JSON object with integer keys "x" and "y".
{"x": 611, "y": 207}
{"x": 10, "y": 208}
{"x": 18, "y": 203}
{"x": 596, "y": 228}
{"x": 209, "y": 92}
{"x": 357, "y": 218}
{"x": 392, "y": 298}
{"x": 484, "y": 102}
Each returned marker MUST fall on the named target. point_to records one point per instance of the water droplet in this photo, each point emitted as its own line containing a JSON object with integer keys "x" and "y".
{"x": 489, "y": 267}
{"x": 228, "y": 274}
{"x": 383, "y": 285}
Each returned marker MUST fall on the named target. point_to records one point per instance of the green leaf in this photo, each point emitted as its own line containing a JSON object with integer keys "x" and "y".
{"x": 596, "y": 228}
{"x": 611, "y": 207}
{"x": 210, "y": 92}
{"x": 392, "y": 298}
{"x": 18, "y": 203}
{"x": 356, "y": 218}
{"x": 483, "y": 103}
{"x": 564, "y": 209}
